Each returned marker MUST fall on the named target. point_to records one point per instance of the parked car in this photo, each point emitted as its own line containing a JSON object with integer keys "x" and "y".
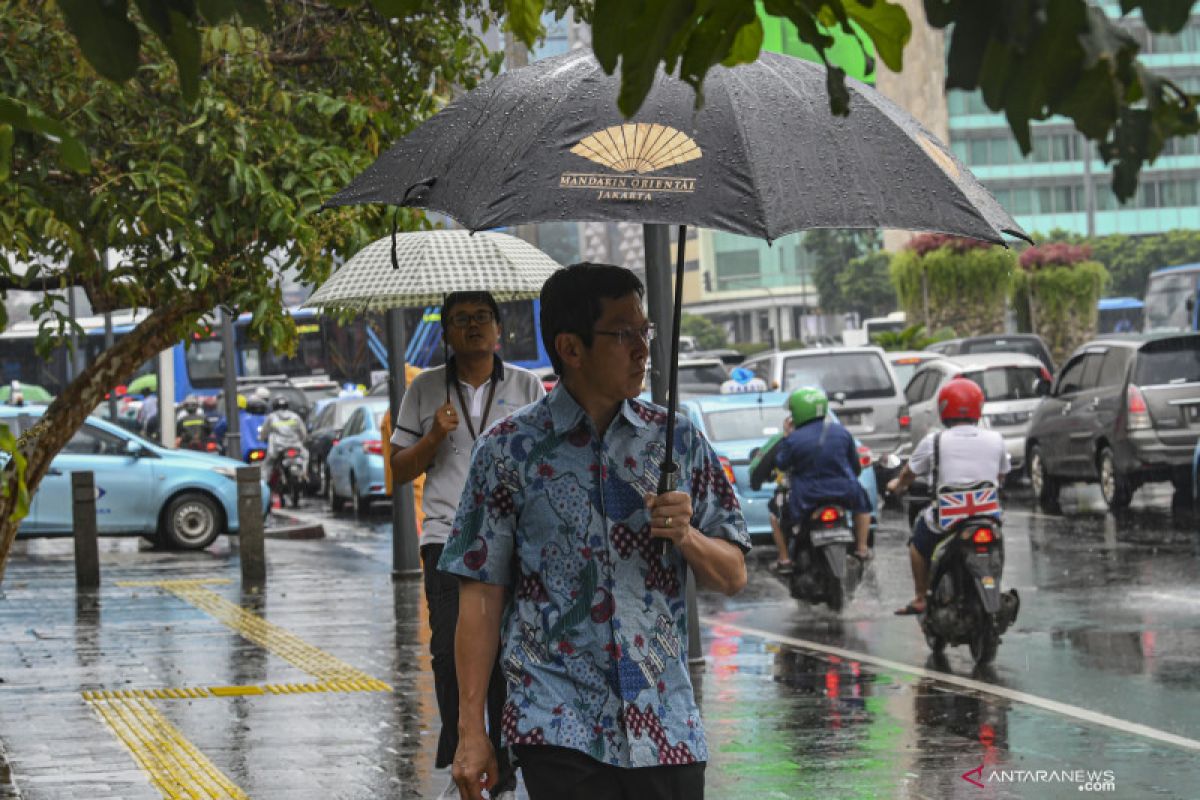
{"x": 354, "y": 465}
{"x": 1013, "y": 385}
{"x": 737, "y": 425}
{"x": 326, "y": 430}
{"x": 181, "y": 499}
{"x": 1124, "y": 411}
{"x": 1028, "y": 343}
{"x": 905, "y": 362}
{"x": 701, "y": 376}
{"x": 862, "y": 389}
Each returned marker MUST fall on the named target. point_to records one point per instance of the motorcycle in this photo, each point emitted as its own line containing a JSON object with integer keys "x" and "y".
{"x": 820, "y": 547}
{"x": 964, "y": 604}
{"x": 287, "y": 477}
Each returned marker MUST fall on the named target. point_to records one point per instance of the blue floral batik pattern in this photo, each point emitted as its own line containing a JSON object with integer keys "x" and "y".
{"x": 594, "y": 639}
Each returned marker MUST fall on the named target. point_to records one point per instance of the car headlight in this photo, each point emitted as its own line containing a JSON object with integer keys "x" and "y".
{"x": 227, "y": 472}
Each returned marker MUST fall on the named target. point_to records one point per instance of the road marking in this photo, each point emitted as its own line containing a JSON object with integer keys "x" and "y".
{"x": 173, "y": 763}
{"x": 1066, "y": 709}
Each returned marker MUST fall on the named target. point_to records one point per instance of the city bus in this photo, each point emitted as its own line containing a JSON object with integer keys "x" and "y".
{"x": 345, "y": 352}
{"x": 1173, "y": 299}
{"x": 1119, "y": 315}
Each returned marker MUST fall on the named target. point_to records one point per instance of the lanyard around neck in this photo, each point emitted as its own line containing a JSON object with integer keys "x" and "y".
{"x": 487, "y": 407}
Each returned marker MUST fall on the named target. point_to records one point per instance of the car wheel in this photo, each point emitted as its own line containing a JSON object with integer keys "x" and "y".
{"x": 192, "y": 522}
{"x": 1115, "y": 487}
{"x": 1045, "y": 487}
{"x": 336, "y": 503}
{"x": 362, "y": 503}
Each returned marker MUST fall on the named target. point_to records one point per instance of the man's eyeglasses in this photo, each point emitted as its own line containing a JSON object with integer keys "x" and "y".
{"x": 479, "y": 318}
{"x": 628, "y": 336}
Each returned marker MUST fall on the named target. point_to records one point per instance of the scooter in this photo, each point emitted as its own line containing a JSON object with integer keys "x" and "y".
{"x": 964, "y": 604}
{"x": 288, "y": 474}
{"x": 824, "y": 571}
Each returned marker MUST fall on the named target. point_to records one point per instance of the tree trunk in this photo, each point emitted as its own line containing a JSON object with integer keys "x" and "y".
{"x": 161, "y": 329}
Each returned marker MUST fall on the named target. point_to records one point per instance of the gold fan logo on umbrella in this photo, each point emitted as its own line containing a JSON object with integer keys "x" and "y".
{"x": 632, "y": 151}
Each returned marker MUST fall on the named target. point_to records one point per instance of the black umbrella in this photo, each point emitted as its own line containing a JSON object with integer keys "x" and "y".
{"x": 762, "y": 156}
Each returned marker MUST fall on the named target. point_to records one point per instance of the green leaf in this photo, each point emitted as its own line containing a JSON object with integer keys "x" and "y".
{"x": 1161, "y": 16}
{"x": 181, "y": 37}
{"x": 6, "y": 144}
{"x": 397, "y": 8}
{"x": 214, "y": 11}
{"x": 9, "y": 448}
{"x": 888, "y": 26}
{"x": 524, "y": 19}
{"x": 747, "y": 44}
{"x": 109, "y": 40}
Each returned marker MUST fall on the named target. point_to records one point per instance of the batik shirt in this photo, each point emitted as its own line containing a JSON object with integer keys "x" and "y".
{"x": 594, "y": 637}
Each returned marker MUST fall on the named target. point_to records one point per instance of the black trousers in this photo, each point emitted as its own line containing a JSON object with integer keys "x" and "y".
{"x": 441, "y": 593}
{"x": 553, "y": 773}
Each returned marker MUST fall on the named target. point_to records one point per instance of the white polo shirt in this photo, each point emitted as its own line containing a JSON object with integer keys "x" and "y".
{"x": 447, "y": 473}
{"x": 967, "y": 454}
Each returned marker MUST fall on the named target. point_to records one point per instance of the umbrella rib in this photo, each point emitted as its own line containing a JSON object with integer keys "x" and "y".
{"x": 750, "y": 161}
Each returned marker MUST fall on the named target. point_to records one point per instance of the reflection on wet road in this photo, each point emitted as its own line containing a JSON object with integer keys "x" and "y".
{"x": 815, "y": 704}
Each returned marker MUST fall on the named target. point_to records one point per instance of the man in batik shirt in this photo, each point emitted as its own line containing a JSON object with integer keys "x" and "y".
{"x": 559, "y": 520}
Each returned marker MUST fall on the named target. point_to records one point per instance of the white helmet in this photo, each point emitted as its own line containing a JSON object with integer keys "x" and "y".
{"x": 262, "y": 393}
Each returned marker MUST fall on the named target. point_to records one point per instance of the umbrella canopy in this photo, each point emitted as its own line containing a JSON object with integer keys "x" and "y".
{"x": 430, "y": 264}
{"x": 31, "y": 392}
{"x": 763, "y": 156}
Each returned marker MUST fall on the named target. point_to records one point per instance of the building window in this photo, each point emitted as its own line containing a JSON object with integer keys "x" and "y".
{"x": 738, "y": 269}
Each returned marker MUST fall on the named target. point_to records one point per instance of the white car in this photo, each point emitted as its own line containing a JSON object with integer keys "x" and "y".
{"x": 1013, "y": 385}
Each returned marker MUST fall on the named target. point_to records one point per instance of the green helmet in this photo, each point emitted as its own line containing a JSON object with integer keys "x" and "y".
{"x": 807, "y": 403}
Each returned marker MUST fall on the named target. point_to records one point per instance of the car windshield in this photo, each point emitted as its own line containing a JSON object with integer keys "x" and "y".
{"x": 857, "y": 375}
{"x": 1168, "y": 362}
{"x": 344, "y": 410}
{"x": 747, "y": 422}
{"x": 904, "y": 369}
{"x": 1007, "y": 383}
{"x": 702, "y": 374}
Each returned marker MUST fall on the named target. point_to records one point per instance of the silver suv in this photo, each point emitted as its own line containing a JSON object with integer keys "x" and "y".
{"x": 863, "y": 390}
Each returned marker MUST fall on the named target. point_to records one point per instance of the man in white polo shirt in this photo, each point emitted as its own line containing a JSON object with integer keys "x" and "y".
{"x": 442, "y": 414}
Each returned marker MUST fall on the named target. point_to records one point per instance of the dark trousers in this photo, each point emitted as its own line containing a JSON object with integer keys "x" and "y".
{"x": 553, "y": 772}
{"x": 441, "y": 593}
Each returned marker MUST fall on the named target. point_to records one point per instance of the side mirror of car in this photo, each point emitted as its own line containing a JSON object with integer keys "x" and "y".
{"x": 1041, "y": 387}
{"x": 134, "y": 449}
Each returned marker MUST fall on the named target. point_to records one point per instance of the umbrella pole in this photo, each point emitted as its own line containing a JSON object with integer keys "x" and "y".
{"x": 406, "y": 556}
{"x": 669, "y": 476}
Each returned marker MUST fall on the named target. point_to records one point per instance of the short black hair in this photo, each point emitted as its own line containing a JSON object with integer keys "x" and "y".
{"x": 571, "y": 301}
{"x": 456, "y": 298}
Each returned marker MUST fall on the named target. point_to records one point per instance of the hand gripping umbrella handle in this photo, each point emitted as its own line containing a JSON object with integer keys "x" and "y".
{"x": 668, "y": 479}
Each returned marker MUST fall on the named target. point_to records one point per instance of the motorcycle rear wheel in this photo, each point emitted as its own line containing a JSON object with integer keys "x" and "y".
{"x": 835, "y": 593}
{"x": 984, "y": 640}
{"x": 936, "y": 643}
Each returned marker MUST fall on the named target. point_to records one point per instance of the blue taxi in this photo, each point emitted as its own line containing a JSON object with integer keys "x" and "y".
{"x": 736, "y": 425}
{"x": 181, "y": 499}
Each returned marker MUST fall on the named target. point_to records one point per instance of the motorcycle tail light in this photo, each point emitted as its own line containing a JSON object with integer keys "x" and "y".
{"x": 865, "y": 456}
{"x": 373, "y": 446}
{"x": 291, "y": 452}
{"x": 829, "y": 515}
{"x": 728, "y": 468}
{"x": 257, "y": 455}
{"x": 211, "y": 447}
{"x": 983, "y": 536}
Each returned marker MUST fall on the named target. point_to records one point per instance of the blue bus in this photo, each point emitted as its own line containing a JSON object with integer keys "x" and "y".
{"x": 1173, "y": 299}
{"x": 350, "y": 352}
{"x": 1119, "y": 315}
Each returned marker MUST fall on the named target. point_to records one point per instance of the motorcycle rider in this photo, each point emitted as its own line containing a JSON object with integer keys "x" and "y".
{"x": 821, "y": 460}
{"x": 192, "y": 425}
{"x": 967, "y": 454}
{"x": 282, "y": 429}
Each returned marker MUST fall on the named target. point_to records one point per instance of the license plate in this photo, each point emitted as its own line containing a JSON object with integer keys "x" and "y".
{"x": 831, "y": 536}
{"x": 849, "y": 419}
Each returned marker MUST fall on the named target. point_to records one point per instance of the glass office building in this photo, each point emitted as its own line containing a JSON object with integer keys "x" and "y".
{"x": 1048, "y": 189}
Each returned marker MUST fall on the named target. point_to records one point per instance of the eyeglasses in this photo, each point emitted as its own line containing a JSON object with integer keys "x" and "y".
{"x": 479, "y": 318}
{"x": 629, "y": 336}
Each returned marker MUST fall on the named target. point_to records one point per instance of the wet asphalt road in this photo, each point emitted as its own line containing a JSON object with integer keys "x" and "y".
{"x": 1109, "y": 629}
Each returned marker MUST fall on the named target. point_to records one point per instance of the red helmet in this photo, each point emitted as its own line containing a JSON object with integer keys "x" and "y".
{"x": 960, "y": 400}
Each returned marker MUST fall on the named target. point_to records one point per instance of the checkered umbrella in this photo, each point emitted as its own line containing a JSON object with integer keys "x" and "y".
{"x": 431, "y": 264}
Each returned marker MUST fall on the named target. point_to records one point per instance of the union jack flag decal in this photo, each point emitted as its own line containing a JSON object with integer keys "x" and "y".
{"x": 956, "y": 504}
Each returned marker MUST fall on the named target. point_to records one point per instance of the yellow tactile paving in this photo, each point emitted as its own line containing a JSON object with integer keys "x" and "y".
{"x": 173, "y": 763}
{"x": 313, "y": 660}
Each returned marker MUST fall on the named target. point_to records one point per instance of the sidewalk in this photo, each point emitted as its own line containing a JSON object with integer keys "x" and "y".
{"x": 172, "y": 682}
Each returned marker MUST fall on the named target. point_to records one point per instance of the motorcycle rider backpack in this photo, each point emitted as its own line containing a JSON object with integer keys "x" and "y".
{"x": 957, "y": 503}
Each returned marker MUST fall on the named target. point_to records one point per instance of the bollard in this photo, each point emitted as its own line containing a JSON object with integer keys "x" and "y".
{"x": 250, "y": 525}
{"x": 87, "y": 553}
